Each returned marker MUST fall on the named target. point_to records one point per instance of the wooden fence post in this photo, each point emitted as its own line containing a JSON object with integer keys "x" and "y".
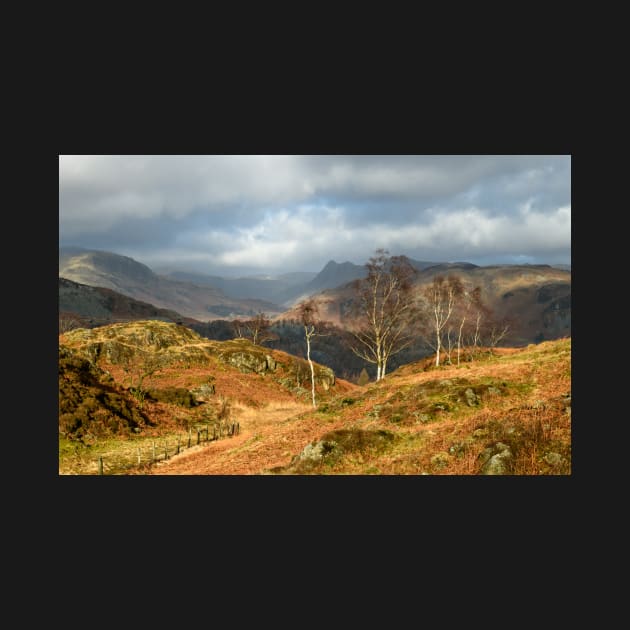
{"x": 198, "y": 436}
{"x": 178, "y": 444}
{"x": 189, "y": 436}
{"x": 100, "y": 465}
{"x": 138, "y": 457}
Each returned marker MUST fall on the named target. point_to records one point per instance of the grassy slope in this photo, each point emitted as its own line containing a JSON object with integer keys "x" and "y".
{"x": 187, "y": 361}
{"x": 425, "y": 420}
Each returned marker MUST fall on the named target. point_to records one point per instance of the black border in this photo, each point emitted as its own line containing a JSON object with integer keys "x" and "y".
{"x": 375, "y": 121}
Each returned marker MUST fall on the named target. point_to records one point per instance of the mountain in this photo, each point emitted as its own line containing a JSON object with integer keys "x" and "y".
{"x": 96, "y": 306}
{"x": 335, "y": 274}
{"x": 276, "y": 288}
{"x": 125, "y": 275}
{"x": 535, "y": 298}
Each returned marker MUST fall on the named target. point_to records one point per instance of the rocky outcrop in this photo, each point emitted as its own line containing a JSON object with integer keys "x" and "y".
{"x": 324, "y": 376}
{"x": 496, "y": 460}
{"x": 250, "y": 361}
{"x": 204, "y": 392}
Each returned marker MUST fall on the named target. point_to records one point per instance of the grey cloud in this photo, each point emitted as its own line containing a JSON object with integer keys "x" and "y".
{"x": 297, "y": 212}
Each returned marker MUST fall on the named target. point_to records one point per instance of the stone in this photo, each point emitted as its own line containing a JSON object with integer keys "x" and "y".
{"x": 554, "y": 459}
{"x": 204, "y": 392}
{"x": 471, "y": 398}
{"x": 497, "y": 458}
{"x": 250, "y": 361}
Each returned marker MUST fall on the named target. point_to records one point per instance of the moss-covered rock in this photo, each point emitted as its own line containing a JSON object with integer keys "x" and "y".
{"x": 332, "y": 446}
{"x": 496, "y": 459}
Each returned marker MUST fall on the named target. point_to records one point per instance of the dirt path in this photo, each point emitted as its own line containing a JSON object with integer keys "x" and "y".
{"x": 269, "y": 437}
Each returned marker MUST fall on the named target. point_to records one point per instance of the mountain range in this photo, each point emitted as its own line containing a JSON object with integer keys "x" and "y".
{"x": 127, "y": 276}
{"x": 107, "y": 287}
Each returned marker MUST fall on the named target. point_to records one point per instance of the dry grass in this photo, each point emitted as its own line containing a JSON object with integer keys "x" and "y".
{"x": 521, "y": 401}
{"x": 531, "y": 414}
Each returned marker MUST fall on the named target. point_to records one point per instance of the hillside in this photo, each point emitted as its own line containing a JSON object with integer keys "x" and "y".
{"x": 142, "y": 380}
{"x": 536, "y": 298}
{"x": 88, "y": 306}
{"x": 336, "y": 274}
{"x": 133, "y": 279}
{"x": 277, "y": 289}
{"x": 508, "y": 412}
{"x": 285, "y": 288}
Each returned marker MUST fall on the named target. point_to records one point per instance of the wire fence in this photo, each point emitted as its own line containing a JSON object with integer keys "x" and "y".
{"x": 133, "y": 457}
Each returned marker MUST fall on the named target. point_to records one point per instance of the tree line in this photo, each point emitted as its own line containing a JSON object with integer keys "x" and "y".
{"x": 386, "y": 318}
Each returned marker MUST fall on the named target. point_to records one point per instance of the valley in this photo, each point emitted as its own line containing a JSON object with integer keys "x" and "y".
{"x": 149, "y": 390}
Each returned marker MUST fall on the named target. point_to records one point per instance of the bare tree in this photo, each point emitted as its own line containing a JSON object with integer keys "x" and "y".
{"x": 384, "y": 308}
{"x": 259, "y": 329}
{"x": 470, "y": 300}
{"x": 441, "y": 296}
{"x": 448, "y": 347}
{"x": 308, "y": 314}
{"x": 498, "y": 330}
{"x": 239, "y": 328}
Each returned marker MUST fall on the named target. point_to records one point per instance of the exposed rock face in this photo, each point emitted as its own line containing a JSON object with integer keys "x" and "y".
{"x": 250, "y": 361}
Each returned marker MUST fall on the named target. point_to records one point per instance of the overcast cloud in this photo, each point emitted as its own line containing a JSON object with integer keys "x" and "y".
{"x": 231, "y": 214}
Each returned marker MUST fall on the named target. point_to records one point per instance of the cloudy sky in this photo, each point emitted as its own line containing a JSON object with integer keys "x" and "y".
{"x": 234, "y": 214}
